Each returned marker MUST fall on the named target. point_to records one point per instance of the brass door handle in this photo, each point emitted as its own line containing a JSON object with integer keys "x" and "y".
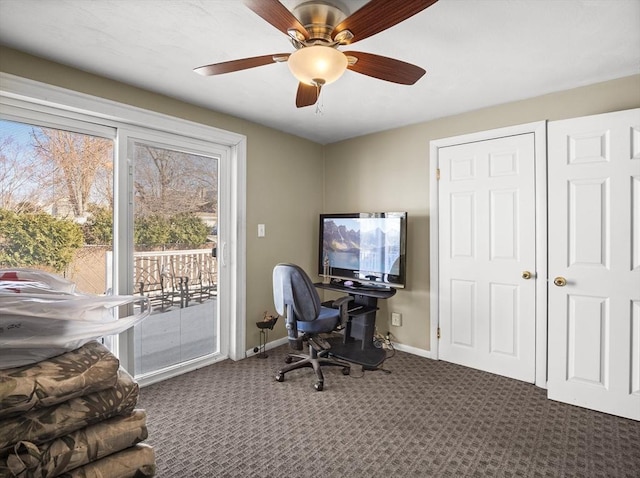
{"x": 527, "y": 275}
{"x": 560, "y": 281}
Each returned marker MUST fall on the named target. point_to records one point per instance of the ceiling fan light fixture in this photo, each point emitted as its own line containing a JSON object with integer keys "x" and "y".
{"x": 317, "y": 64}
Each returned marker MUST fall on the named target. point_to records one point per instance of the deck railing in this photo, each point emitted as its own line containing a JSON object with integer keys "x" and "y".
{"x": 175, "y": 277}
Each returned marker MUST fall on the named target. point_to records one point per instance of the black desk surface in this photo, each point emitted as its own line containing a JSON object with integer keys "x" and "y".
{"x": 369, "y": 291}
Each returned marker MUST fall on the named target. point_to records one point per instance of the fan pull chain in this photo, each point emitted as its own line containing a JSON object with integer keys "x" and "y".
{"x": 319, "y": 102}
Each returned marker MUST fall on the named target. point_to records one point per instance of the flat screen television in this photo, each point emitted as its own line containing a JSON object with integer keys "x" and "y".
{"x": 366, "y": 248}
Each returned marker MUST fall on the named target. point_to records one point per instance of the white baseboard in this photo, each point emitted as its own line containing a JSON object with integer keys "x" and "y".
{"x": 269, "y": 346}
{"x": 413, "y": 350}
{"x": 400, "y": 347}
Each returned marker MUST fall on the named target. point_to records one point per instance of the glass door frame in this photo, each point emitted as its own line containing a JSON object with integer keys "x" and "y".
{"x": 127, "y": 139}
{"x": 24, "y": 98}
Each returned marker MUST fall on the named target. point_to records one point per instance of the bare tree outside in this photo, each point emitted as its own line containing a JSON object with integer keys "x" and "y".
{"x": 53, "y": 170}
{"x": 76, "y": 161}
{"x": 170, "y": 182}
{"x": 20, "y": 188}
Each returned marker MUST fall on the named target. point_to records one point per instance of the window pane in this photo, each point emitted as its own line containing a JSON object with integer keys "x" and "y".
{"x": 56, "y": 202}
{"x": 175, "y": 264}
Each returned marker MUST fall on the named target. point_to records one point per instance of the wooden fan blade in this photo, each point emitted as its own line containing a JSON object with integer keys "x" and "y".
{"x": 383, "y": 68}
{"x": 307, "y": 95}
{"x": 237, "y": 65}
{"x": 378, "y": 15}
{"x": 275, "y": 13}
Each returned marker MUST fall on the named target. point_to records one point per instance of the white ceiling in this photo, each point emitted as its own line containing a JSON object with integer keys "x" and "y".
{"x": 477, "y": 53}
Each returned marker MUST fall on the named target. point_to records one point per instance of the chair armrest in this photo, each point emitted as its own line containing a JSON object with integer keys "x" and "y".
{"x": 344, "y": 300}
{"x": 343, "y": 304}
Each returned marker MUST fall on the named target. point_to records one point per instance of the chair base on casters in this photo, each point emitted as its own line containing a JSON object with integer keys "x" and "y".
{"x": 316, "y": 360}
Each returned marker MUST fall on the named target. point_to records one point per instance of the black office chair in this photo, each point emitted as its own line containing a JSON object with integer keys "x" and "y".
{"x": 297, "y": 300}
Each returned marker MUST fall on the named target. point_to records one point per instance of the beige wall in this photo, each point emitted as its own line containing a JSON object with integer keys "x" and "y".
{"x": 384, "y": 171}
{"x": 389, "y": 171}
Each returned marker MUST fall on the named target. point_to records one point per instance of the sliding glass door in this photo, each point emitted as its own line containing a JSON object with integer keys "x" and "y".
{"x": 130, "y": 202}
{"x": 175, "y": 232}
{"x": 57, "y": 209}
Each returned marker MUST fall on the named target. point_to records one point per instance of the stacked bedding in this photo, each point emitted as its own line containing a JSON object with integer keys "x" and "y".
{"x": 73, "y": 415}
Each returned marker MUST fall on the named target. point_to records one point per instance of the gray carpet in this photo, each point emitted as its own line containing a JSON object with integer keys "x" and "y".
{"x": 426, "y": 418}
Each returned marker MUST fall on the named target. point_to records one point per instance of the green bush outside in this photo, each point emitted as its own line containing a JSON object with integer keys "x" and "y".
{"x": 187, "y": 229}
{"x": 38, "y": 239}
{"x": 98, "y": 230}
{"x": 153, "y": 231}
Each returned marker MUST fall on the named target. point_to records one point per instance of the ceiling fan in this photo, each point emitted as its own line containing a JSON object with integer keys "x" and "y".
{"x": 316, "y": 29}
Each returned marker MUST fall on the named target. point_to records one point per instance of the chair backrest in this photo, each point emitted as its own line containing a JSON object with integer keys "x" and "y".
{"x": 292, "y": 287}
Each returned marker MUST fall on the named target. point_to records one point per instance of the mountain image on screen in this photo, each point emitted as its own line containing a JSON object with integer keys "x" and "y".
{"x": 347, "y": 247}
{"x": 340, "y": 238}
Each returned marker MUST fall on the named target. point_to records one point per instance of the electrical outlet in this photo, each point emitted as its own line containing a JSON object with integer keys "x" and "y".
{"x": 396, "y": 319}
{"x": 261, "y": 230}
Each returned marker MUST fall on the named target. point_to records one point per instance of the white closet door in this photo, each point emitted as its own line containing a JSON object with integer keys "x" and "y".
{"x": 594, "y": 262}
{"x": 487, "y": 255}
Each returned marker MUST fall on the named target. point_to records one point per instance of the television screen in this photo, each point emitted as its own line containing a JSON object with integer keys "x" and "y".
{"x": 368, "y": 248}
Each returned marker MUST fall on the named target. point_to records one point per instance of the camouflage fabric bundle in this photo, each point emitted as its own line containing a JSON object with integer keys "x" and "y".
{"x": 73, "y": 415}
{"x": 89, "y": 369}
{"x": 76, "y": 449}
{"x": 134, "y": 462}
{"x": 43, "y": 424}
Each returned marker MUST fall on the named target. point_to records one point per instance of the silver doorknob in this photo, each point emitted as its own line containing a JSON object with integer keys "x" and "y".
{"x": 560, "y": 281}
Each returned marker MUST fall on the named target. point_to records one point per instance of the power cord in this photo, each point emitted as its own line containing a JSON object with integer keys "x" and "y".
{"x": 381, "y": 342}
{"x": 384, "y": 342}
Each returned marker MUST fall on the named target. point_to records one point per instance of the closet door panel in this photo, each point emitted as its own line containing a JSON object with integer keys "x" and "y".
{"x": 594, "y": 273}
{"x": 487, "y": 239}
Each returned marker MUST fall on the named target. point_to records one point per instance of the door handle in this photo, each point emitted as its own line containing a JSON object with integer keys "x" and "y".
{"x": 526, "y": 275}
{"x": 560, "y": 281}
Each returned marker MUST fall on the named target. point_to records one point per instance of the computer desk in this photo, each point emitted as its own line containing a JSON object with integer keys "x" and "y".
{"x": 357, "y": 344}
